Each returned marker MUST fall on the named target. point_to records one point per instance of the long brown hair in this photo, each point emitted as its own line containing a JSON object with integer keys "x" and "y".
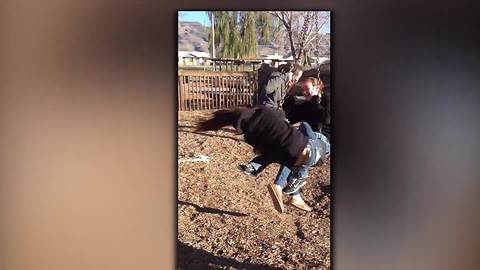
{"x": 299, "y": 88}
{"x": 219, "y": 119}
{"x": 290, "y": 67}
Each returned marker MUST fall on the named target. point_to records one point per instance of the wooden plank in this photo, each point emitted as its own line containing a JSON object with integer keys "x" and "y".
{"x": 254, "y": 82}
{"x": 237, "y": 92}
{"x": 211, "y": 92}
{"x": 182, "y": 92}
{"x": 191, "y": 85}
{"x": 195, "y": 104}
{"x": 205, "y": 91}
{"x": 217, "y": 91}
{"x": 247, "y": 90}
{"x": 251, "y": 89}
{"x": 243, "y": 92}
{"x": 201, "y": 92}
{"x": 234, "y": 90}
{"x": 178, "y": 95}
{"x": 240, "y": 90}
{"x": 222, "y": 87}
{"x": 214, "y": 90}
{"x": 220, "y": 93}
{"x": 225, "y": 92}
{"x": 187, "y": 93}
{"x": 229, "y": 92}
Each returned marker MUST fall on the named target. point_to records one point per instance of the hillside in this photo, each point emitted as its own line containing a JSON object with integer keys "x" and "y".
{"x": 193, "y": 36}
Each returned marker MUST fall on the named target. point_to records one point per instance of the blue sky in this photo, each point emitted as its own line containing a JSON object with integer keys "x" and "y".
{"x": 201, "y": 17}
{"x": 194, "y": 16}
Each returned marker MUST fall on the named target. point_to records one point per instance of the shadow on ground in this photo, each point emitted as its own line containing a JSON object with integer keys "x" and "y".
{"x": 212, "y": 210}
{"x": 193, "y": 258}
{"x": 191, "y": 129}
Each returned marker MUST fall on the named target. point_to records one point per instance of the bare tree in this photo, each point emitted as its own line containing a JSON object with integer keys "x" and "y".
{"x": 285, "y": 17}
{"x": 303, "y": 29}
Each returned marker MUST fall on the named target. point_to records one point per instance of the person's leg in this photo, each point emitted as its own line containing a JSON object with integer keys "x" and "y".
{"x": 307, "y": 130}
{"x": 296, "y": 179}
{"x": 317, "y": 146}
{"x": 255, "y": 166}
{"x": 275, "y": 189}
{"x": 282, "y": 176}
{"x": 276, "y": 192}
{"x": 259, "y": 163}
{"x": 323, "y": 146}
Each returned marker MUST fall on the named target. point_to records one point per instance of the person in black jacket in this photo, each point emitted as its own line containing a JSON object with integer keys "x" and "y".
{"x": 308, "y": 101}
{"x": 266, "y": 130}
{"x": 302, "y": 104}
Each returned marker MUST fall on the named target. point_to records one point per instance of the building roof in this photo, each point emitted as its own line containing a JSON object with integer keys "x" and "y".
{"x": 273, "y": 56}
{"x": 192, "y": 54}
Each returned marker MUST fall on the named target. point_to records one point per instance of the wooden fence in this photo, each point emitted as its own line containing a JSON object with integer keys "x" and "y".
{"x": 207, "y": 90}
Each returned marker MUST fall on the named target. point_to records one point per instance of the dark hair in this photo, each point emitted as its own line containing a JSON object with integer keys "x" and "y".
{"x": 220, "y": 119}
{"x": 289, "y": 67}
{"x": 295, "y": 68}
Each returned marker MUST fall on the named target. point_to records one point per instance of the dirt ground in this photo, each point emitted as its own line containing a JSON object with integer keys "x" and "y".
{"x": 226, "y": 220}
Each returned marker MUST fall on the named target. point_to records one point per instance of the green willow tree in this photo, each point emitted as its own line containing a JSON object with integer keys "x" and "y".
{"x": 238, "y": 32}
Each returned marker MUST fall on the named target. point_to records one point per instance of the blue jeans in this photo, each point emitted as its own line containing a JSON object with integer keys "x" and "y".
{"x": 259, "y": 163}
{"x": 282, "y": 178}
{"x": 302, "y": 171}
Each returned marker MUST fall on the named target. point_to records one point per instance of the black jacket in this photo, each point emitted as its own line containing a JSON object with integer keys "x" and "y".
{"x": 316, "y": 112}
{"x": 267, "y": 130}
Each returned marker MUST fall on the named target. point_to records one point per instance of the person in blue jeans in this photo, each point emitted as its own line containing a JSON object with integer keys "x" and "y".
{"x": 277, "y": 141}
{"x": 289, "y": 181}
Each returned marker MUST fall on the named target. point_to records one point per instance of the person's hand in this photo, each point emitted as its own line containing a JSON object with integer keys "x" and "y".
{"x": 290, "y": 84}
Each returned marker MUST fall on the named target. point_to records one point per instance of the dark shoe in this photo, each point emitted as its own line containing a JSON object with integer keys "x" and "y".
{"x": 247, "y": 169}
{"x": 295, "y": 185}
{"x": 276, "y": 194}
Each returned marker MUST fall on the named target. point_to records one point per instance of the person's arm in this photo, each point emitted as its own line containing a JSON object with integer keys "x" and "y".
{"x": 277, "y": 86}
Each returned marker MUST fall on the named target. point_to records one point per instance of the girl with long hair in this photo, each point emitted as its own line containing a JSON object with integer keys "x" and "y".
{"x": 276, "y": 141}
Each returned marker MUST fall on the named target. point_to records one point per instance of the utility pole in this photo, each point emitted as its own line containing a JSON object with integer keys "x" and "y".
{"x": 213, "y": 39}
{"x": 213, "y": 35}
